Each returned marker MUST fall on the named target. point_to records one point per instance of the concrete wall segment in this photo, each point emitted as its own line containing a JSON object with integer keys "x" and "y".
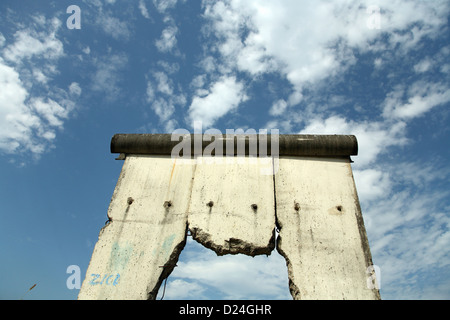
{"x": 320, "y": 234}
{"x": 231, "y": 207}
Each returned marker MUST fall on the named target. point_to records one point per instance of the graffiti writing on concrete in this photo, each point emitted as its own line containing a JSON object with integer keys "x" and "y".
{"x": 107, "y": 279}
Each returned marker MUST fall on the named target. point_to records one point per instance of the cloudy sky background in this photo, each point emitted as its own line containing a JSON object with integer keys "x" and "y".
{"x": 377, "y": 69}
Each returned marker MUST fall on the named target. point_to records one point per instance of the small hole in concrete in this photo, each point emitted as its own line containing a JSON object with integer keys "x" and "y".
{"x": 167, "y": 204}
{"x": 254, "y": 206}
{"x": 210, "y": 204}
{"x": 130, "y": 200}
{"x": 339, "y": 208}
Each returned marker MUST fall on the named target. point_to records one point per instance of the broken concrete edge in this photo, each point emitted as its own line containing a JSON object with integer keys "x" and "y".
{"x": 255, "y": 145}
{"x": 168, "y": 267}
{"x": 293, "y": 289}
{"x": 363, "y": 235}
{"x": 238, "y": 247}
{"x": 233, "y": 246}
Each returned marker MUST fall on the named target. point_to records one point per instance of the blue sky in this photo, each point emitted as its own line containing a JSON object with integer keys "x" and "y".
{"x": 377, "y": 69}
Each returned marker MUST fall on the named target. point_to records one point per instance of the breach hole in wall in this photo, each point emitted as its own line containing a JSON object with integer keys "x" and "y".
{"x": 202, "y": 275}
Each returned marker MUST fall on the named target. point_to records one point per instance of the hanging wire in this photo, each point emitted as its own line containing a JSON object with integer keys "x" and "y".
{"x": 165, "y": 281}
{"x": 164, "y": 290}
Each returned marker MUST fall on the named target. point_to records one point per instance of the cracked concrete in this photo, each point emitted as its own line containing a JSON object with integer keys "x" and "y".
{"x": 323, "y": 242}
{"x": 144, "y": 235}
{"x": 222, "y": 213}
{"x": 233, "y": 209}
{"x": 233, "y": 245}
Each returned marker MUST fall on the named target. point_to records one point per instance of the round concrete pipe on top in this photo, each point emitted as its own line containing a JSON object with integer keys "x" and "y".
{"x": 288, "y": 145}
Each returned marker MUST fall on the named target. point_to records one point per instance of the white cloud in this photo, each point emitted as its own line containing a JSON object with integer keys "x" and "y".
{"x": 163, "y": 108}
{"x": 371, "y": 183}
{"x": 39, "y": 76}
{"x": 408, "y": 233}
{"x": 163, "y": 5}
{"x": 168, "y": 39}
{"x": 163, "y": 96}
{"x": 143, "y": 9}
{"x": 164, "y": 84}
{"x": 107, "y": 75}
{"x": 423, "y": 66}
{"x": 170, "y": 125}
{"x": 374, "y": 138}
{"x": 150, "y": 92}
{"x": 445, "y": 68}
{"x": 208, "y": 64}
{"x": 421, "y": 175}
{"x": 278, "y": 108}
{"x": 295, "y": 98}
{"x": 113, "y": 26}
{"x": 169, "y": 68}
{"x": 408, "y": 227}
{"x": 29, "y": 43}
{"x": 378, "y": 62}
{"x": 28, "y": 121}
{"x": 224, "y": 95}
{"x": 75, "y": 89}
{"x": 198, "y": 81}
{"x": 86, "y": 50}
{"x": 310, "y": 41}
{"x": 49, "y": 110}
{"x": 26, "y": 124}
{"x": 420, "y": 98}
{"x": 16, "y": 119}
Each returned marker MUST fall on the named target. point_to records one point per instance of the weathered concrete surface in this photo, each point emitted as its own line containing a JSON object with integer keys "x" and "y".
{"x": 156, "y": 199}
{"x": 140, "y": 245}
{"x": 322, "y": 234}
{"x": 232, "y": 206}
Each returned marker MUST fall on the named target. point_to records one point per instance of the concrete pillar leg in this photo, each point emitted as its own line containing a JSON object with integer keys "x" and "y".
{"x": 140, "y": 246}
{"x": 322, "y": 235}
